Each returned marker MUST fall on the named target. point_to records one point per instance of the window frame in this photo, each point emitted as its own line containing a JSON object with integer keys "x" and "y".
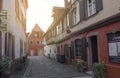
{"x": 113, "y": 45}
{"x": 91, "y": 6}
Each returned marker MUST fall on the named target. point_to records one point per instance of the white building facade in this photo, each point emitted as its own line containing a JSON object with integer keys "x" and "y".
{"x": 51, "y": 51}
{"x": 13, "y": 28}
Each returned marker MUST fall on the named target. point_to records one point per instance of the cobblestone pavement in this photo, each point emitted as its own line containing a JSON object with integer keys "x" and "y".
{"x": 42, "y": 67}
{"x": 20, "y": 73}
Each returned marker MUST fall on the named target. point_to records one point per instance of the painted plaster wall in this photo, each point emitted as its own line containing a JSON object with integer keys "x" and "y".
{"x": 50, "y": 49}
{"x": 14, "y": 26}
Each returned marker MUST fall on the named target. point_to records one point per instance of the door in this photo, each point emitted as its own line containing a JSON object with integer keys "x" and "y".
{"x": 66, "y": 51}
{"x": 94, "y": 51}
{"x": 71, "y": 52}
{"x": 40, "y": 52}
{"x": 31, "y": 52}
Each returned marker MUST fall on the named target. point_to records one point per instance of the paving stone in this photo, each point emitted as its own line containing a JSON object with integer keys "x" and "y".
{"x": 42, "y": 67}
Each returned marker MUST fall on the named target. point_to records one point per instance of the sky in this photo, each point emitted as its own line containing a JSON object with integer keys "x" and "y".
{"x": 40, "y": 12}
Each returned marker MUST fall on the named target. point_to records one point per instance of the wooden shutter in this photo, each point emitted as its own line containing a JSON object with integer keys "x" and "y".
{"x": 72, "y": 50}
{"x": 0, "y": 44}
{"x": 71, "y": 19}
{"x": 0, "y": 4}
{"x": 84, "y": 51}
{"x": 82, "y": 9}
{"x": 13, "y": 46}
{"x": 99, "y": 5}
{"x": 58, "y": 50}
{"x": 66, "y": 49}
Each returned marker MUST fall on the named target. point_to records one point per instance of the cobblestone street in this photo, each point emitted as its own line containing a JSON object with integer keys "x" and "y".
{"x": 42, "y": 67}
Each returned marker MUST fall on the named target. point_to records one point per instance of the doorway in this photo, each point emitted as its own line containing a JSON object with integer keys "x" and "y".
{"x": 31, "y": 52}
{"x": 94, "y": 58}
{"x": 71, "y": 52}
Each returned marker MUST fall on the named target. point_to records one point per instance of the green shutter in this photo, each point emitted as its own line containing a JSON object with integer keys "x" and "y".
{"x": 84, "y": 50}
{"x": 70, "y": 19}
{"x": 72, "y": 50}
{"x": 82, "y": 9}
{"x": 99, "y": 5}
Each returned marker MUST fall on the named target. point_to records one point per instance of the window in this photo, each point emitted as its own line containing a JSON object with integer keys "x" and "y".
{"x": 74, "y": 16}
{"x": 36, "y": 35}
{"x": 114, "y": 46}
{"x": 30, "y": 42}
{"x": 91, "y": 7}
{"x": 38, "y": 42}
{"x": 94, "y": 6}
{"x": 78, "y": 47}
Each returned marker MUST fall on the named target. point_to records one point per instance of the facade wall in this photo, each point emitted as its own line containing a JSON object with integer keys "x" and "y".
{"x": 14, "y": 27}
{"x": 89, "y": 38}
{"x": 104, "y": 52}
{"x": 52, "y": 50}
{"x": 36, "y": 48}
{"x": 13, "y": 40}
{"x": 35, "y": 42}
{"x": 105, "y": 13}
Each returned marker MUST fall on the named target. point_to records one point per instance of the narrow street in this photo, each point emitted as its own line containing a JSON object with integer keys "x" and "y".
{"x": 42, "y": 67}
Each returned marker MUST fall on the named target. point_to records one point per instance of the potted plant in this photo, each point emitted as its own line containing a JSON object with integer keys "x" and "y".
{"x": 80, "y": 65}
{"x": 5, "y": 66}
{"x": 99, "y": 70}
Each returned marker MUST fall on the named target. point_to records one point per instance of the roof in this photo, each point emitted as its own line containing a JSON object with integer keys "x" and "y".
{"x": 37, "y": 28}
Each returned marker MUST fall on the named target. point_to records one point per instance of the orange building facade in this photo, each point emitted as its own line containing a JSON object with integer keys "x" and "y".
{"x": 35, "y": 42}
